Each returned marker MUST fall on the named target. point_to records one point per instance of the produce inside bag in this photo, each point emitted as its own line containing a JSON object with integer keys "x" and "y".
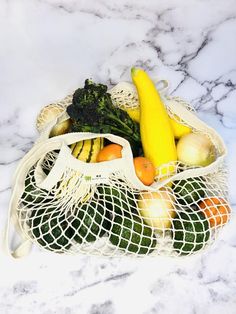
{"x": 168, "y": 197}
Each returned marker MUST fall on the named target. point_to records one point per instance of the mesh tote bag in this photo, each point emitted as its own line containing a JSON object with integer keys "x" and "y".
{"x": 66, "y": 205}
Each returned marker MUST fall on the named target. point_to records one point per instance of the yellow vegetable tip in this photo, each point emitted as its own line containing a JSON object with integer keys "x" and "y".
{"x": 134, "y": 71}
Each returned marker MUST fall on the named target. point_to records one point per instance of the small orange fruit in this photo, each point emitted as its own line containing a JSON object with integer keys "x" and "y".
{"x": 145, "y": 170}
{"x": 216, "y": 210}
{"x": 109, "y": 152}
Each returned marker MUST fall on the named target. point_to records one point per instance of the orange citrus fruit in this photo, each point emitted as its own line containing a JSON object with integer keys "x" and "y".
{"x": 109, "y": 152}
{"x": 145, "y": 170}
{"x": 216, "y": 210}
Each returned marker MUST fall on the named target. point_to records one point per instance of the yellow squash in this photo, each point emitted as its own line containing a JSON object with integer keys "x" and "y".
{"x": 87, "y": 150}
{"x": 178, "y": 128}
{"x": 155, "y": 128}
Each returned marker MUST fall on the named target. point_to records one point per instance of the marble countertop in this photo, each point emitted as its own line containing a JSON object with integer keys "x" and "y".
{"x": 48, "y": 48}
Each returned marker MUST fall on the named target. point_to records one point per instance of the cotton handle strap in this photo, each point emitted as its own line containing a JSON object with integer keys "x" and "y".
{"x": 34, "y": 156}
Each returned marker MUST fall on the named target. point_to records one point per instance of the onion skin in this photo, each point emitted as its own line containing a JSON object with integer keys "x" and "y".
{"x": 157, "y": 209}
{"x": 61, "y": 128}
{"x": 47, "y": 114}
{"x": 196, "y": 150}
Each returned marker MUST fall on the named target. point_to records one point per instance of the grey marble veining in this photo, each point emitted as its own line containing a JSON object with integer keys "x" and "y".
{"x": 48, "y": 48}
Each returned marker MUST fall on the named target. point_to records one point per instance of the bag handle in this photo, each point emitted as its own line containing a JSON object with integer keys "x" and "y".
{"x": 64, "y": 159}
{"x": 161, "y": 85}
{"x": 25, "y": 245}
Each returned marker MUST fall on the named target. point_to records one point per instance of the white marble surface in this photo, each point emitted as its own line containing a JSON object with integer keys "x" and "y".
{"x": 48, "y": 47}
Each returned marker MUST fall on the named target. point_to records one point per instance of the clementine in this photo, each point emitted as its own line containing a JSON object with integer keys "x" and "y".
{"x": 109, "y": 152}
{"x": 145, "y": 170}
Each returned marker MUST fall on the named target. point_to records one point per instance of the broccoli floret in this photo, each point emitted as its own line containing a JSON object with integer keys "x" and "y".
{"x": 92, "y": 111}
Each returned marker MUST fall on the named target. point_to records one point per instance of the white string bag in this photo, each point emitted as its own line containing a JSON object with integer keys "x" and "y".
{"x": 68, "y": 206}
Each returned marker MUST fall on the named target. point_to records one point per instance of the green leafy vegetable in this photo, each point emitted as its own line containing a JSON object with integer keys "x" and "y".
{"x": 92, "y": 111}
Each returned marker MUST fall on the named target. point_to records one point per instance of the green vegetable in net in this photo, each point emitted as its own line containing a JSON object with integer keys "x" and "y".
{"x": 132, "y": 235}
{"x": 92, "y": 111}
{"x": 190, "y": 232}
{"x": 90, "y": 222}
{"x": 189, "y": 191}
{"x": 51, "y": 229}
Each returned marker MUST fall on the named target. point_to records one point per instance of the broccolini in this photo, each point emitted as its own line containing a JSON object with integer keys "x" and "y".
{"x": 92, "y": 111}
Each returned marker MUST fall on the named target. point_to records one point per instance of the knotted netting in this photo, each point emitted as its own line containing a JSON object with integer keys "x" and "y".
{"x": 66, "y": 205}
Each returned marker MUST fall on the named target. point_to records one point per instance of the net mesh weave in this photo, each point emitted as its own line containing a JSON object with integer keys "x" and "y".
{"x": 112, "y": 216}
